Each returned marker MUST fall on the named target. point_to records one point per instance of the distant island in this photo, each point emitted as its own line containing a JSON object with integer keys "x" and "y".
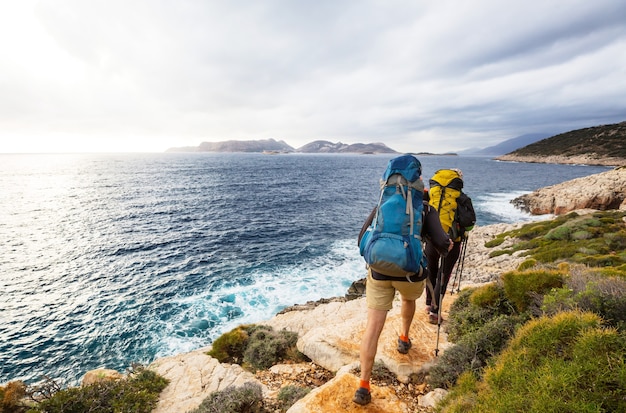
{"x": 272, "y": 146}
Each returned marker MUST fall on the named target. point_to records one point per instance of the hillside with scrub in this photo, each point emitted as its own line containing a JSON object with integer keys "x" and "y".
{"x": 598, "y": 145}
{"x": 545, "y": 332}
{"x": 550, "y": 335}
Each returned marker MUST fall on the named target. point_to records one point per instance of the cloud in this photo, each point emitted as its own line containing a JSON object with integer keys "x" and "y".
{"x": 441, "y": 76}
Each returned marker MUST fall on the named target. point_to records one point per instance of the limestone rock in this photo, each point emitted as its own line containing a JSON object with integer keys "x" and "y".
{"x": 432, "y": 398}
{"x": 603, "y": 191}
{"x": 336, "y": 396}
{"x": 194, "y": 376}
{"x": 94, "y": 376}
{"x": 330, "y": 335}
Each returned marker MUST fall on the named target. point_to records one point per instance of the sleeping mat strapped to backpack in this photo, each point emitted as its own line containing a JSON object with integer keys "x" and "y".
{"x": 392, "y": 245}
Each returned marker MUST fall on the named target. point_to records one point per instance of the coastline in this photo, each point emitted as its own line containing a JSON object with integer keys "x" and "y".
{"x": 589, "y": 159}
{"x": 329, "y": 332}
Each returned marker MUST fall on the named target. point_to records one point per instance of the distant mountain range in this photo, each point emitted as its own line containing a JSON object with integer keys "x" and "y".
{"x": 274, "y": 146}
{"x": 508, "y": 145}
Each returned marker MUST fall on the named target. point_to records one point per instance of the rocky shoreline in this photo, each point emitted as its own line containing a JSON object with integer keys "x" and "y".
{"x": 330, "y": 330}
{"x": 603, "y": 191}
{"x": 330, "y": 335}
{"x": 586, "y": 159}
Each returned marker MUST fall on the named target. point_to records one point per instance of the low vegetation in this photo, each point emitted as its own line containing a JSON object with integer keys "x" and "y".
{"x": 256, "y": 347}
{"x": 549, "y": 336}
{"x": 137, "y": 393}
{"x": 604, "y": 141}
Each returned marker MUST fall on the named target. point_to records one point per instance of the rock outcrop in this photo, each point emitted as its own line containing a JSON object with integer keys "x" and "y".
{"x": 603, "y": 191}
{"x": 193, "y": 377}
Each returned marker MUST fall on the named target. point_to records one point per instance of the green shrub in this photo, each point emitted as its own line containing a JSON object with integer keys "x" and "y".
{"x": 497, "y": 253}
{"x": 473, "y": 351}
{"x": 475, "y": 307}
{"x": 138, "y": 393}
{"x": 256, "y": 347}
{"x": 494, "y": 242}
{"x": 267, "y": 347}
{"x": 527, "y": 264}
{"x": 521, "y": 286}
{"x": 244, "y": 399}
{"x": 488, "y": 296}
{"x": 288, "y": 395}
{"x": 566, "y": 363}
{"x": 229, "y": 347}
{"x": 581, "y": 235}
{"x": 587, "y": 291}
{"x": 558, "y": 234}
{"x": 462, "y": 397}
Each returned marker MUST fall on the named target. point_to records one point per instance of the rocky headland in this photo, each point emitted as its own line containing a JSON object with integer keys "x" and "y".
{"x": 598, "y": 145}
{"x": 603, "y": 191}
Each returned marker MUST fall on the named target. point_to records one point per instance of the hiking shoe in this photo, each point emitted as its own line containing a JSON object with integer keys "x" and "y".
{"x": 433, "y": 318}
{"x": 362, "y": 396}
{"x": 404, "y": 346}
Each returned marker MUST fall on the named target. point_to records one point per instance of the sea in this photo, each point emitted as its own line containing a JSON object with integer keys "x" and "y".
{"x": 112, "y": 259}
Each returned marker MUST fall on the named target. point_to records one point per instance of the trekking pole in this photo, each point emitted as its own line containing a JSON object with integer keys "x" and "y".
{"x": 456, "y": 276}
{"x": 463, "y": 251}
{"x": 441, "y": 290}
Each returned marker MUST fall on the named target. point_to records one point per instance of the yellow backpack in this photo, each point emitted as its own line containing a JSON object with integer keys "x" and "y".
{"x": 445, "y": 188}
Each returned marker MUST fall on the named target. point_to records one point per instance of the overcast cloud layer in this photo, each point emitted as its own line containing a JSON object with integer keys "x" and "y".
{"x": 432, "y": 76}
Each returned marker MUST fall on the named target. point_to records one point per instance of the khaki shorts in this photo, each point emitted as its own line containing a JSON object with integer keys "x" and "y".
{"x": 379, "y": 294}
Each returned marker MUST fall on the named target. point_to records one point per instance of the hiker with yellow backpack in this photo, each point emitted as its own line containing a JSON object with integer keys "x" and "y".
{"x": 457, "y": 217}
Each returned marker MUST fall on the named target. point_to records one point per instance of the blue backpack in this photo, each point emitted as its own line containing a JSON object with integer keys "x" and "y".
{"x": 392, "y": 245}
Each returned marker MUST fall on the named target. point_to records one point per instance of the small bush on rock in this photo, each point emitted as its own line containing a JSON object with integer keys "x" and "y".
{"x": 229, "y": 347}
{"x": 256, "y": 347}
{"x": 138, "y": 393}
{"x": 267, "y": 347}
{"x": 288, "y": 395}
{"x": 244, "y": 399}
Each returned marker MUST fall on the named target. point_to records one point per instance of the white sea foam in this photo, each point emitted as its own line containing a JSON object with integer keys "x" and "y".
{"x": 499, "y": 207}
{"x": 202, "y": 318}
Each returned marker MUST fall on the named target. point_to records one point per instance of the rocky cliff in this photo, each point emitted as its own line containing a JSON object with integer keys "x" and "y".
{"x": 606, "y": 190}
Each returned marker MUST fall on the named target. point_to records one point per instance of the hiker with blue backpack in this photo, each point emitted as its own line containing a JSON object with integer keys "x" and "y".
{"x": 391, "y": 244}
{"x": 457, "y": 217}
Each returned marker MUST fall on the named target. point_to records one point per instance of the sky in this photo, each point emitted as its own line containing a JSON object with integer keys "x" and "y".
{"x": 419, "y": 76}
